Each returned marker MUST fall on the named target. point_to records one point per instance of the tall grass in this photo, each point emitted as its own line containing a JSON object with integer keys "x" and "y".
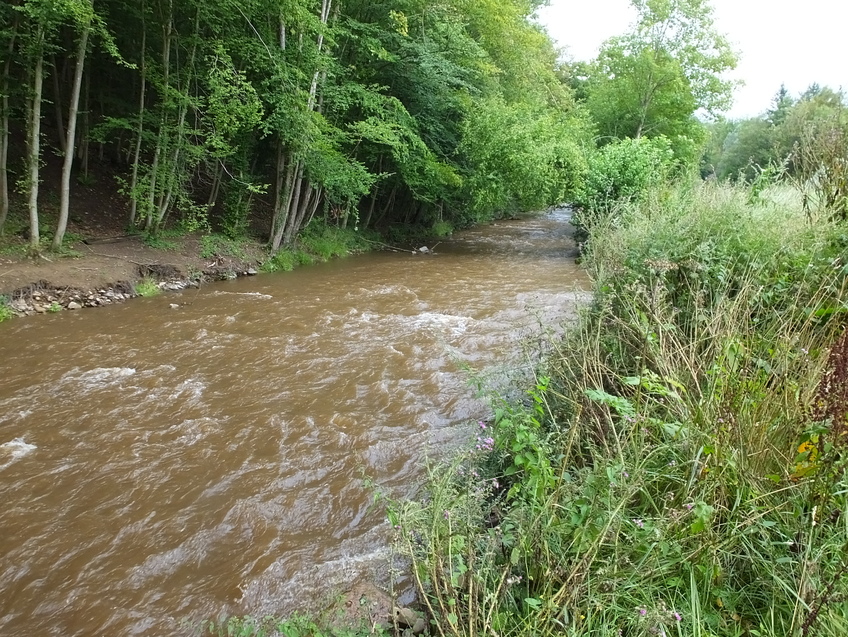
{"x": 679, "y": 466}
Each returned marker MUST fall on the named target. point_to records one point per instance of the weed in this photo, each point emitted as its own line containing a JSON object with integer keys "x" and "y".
{"x": 54, "y": 307}
{"x": 295, "y": 626}
{"x": 147, "y": 287}
{"x": 283, "y": 261}
{"x": 327, "y": 242}
{"x": 214, "y": 245}
{"x": 442, "y": 229}
{"x": 157, "y": 242}
{"x": 6, "y": 312}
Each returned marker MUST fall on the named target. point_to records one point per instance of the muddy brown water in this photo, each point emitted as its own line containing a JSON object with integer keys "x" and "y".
{"x": 160, "y": 466}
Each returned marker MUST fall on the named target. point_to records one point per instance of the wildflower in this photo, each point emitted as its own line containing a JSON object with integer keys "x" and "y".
{"x": 446, "y": 514}
{"x": 482, "y": 425}
{"x": 485, "y": 444}
{"x": 495, "y": 483}
{"x": 625, "y": 474}
{"x": 689, "y": 507}
{"x": 643, "y": 611}
{"x": 677, "y": 617}
{"x": 673, "y": 463}
{"x": 639, "y": 523}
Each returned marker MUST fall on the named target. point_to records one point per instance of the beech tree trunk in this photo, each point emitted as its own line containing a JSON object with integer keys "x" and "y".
{"x": 140, "y": 129}
{"x": 4, "y": 131}
{"x": 34, "y": 142}
{"x": 73, "y": 109}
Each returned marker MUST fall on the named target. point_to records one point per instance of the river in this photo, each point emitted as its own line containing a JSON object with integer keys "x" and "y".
{"x": 163, "y": 465}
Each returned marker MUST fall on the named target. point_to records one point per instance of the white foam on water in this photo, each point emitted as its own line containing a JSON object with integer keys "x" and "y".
{"x": 190, "y": 389}
{"x": 99, "y": 376}
{"x": 14, "y": 450}
{"x": 456, "y": 325}
{"x": 256, "y": 295}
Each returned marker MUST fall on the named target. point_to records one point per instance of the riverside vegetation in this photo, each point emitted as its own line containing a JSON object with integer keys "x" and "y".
{"x": 679, "y": 467}
{"x": 265, "y": 118}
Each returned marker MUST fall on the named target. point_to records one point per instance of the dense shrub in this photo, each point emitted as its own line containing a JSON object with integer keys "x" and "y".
{"x": 624, "y": 170}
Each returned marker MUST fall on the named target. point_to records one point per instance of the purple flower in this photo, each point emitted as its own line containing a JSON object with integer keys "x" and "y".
{"x": 639, "y": 523}
{"x": 446, "y": 514}
{"x": 677, "y": 617}
{"x": 643, "y": 612}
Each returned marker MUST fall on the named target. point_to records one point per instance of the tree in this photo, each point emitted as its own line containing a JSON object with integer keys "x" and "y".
{"x": 84, "y": 15}
{"x": 781, "y": 105}
{"x": 654, "y": 79}
{"x": 8, "y": 37}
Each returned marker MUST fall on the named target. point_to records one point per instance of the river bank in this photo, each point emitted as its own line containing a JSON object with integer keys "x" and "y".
{"x": 108, "y": 269}
{"x": 678, "y": 466}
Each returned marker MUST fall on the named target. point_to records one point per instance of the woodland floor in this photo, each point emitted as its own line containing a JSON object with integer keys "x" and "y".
{"x": 100, "y": 252}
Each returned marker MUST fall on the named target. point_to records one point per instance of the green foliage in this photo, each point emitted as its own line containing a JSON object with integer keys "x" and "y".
{"x": 692, "y": 422}
{"x": 147, "y": 287}
{"x": 6, "y": 312}
{"x": 803, "y": 138}
{"x": 156, "y": 241}
{"x": 442, "y": 229}
{"x": 651, "y": 81}
{"x": 622, "y": 171}
{"x": 214, "y": 245}
{"x": 295, "y": 626}
{"x": 284, "y": 260}
{"x": 327, "y": 242}
{"x": 320, "y": 242}
{"x": 523, "y": 158}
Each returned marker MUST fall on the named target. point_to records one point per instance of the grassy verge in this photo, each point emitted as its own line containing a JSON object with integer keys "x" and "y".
{"x": 679, "y": 467}
{"x": 320, "y": 243}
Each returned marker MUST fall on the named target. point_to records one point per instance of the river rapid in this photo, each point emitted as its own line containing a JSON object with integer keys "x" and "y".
{"x": 162, "y": 465}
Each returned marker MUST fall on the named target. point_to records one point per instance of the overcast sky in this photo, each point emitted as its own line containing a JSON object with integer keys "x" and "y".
{"x": 780, "y": 41}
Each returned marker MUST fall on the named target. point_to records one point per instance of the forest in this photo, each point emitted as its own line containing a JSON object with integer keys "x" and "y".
{"x": 258, "y": 117}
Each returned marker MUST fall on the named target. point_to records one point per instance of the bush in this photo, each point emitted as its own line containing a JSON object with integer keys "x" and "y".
{"x": 696, "y": 429}
{"x": 624, "y": 170}
{"x": 147, "y": 287}
{"x": 6, "y": 312}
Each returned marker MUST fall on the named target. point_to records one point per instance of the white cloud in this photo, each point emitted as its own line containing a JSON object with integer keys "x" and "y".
{"x": 779, "y": 41}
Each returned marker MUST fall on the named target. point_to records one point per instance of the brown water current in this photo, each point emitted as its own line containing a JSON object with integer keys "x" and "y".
{"x": 161, "y": 466}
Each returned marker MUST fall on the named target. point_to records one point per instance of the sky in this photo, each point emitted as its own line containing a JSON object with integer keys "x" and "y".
{"x": 779, "y": 41}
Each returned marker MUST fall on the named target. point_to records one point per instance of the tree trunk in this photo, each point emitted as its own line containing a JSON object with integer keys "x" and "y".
{"x": 34, "y": 147}
{"x": 281, "y": 215}
{"x": 217, "y": 178}
{"x": 140, "y": 129}
{"x": 174, "y": 181}
{"x": 57, "y": 107}
{"x": 294, "y": 207}
{"x": 160, "y": 138}
{"x": 73, "y": 108}
{"x": 4, "y": 131}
